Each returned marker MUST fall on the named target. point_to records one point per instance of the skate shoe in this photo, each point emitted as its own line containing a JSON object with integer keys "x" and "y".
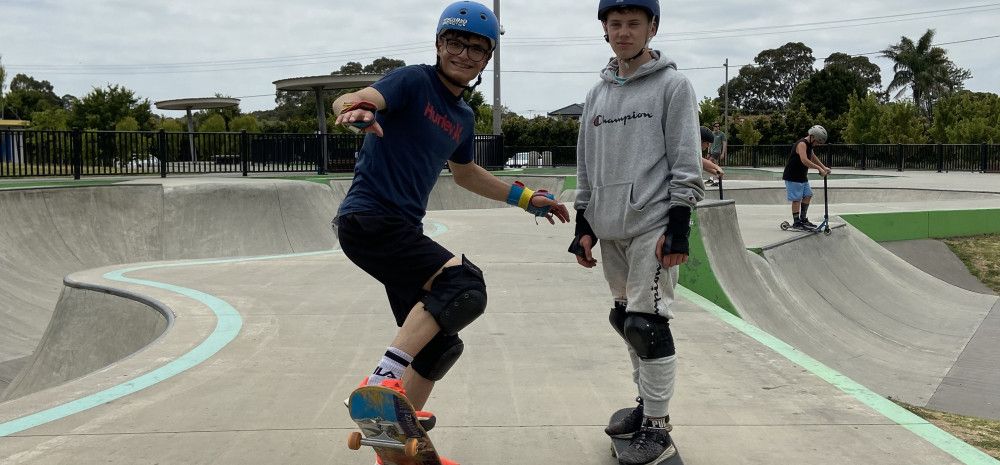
{"x": 426, "y": 419}
{"x": 649, "y": 446}
{"x": 628, "y": 426}
{"x": 808, "y": 224}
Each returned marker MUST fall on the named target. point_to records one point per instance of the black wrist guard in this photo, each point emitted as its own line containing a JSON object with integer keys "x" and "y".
{"x": 678, "y": 230}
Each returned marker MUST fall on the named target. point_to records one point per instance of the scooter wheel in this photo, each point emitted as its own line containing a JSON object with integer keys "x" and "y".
{"x": 785, "y": 226}
{"x": 827, "y": 231}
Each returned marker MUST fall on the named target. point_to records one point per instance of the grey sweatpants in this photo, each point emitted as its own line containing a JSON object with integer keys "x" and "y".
{"x": 635, "y": 277}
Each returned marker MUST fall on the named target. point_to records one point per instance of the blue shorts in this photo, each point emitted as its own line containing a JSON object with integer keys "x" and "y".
{"x": 798, "y": 190}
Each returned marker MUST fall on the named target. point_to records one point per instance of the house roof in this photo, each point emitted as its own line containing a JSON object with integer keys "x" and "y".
{"x": 575, "y": 109}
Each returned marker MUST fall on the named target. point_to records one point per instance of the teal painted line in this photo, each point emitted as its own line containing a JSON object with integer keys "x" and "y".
{"x": 227, "y": 326}
{"x": 946, "y": 442}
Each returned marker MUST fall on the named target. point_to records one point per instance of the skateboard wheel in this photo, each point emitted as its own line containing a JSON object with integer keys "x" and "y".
{"x": 411, "y": 447}
{"x": 354, "y": 441}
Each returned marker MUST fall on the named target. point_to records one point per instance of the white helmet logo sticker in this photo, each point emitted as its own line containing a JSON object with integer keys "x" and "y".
{"x": 454, "y": 22}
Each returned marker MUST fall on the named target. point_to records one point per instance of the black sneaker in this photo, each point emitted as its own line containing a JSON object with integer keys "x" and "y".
{"x": 798, "y": 225}
{"x": 649, "y": 446}
{"x": 627, "y": 427}
{"x": 808, "y": 224}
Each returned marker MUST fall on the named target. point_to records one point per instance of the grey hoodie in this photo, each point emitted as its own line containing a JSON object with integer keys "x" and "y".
{"x": 639, "y": 150}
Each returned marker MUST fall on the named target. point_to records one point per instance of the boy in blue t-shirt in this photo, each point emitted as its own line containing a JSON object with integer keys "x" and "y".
{"x": 416, "y": 121}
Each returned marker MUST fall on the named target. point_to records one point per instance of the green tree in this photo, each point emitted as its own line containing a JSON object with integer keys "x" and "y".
{"x": 213, "y": 123}
{"x": 747, "y": 132}
{"x": 352, "y": 67}
{"x": 863, "y": 121}
{"x": 102, "y": 108}
{"x": 170, "y": 125}
{"x": 903, "y": 123}
{"x": 28, "y": 95}
{"x": 53, "y": 119}
{"x": 869, "y": 72}
{"x": 925, "y": 70}
{"x": 227, "y": 113}
{"x": 709, "y": 111}
{"x": 383, "y": 65}
{"x": 766, "y": 86}
{"x": 246, "y": 123}
{"x": 827, "y": 91}
{"x": 967, "y": 118}
{"x": 127, "y": 123}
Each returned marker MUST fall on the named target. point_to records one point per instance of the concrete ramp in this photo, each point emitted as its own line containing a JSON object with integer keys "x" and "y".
{"x": 849, "y": 303}
{"x": 50, "y": 233}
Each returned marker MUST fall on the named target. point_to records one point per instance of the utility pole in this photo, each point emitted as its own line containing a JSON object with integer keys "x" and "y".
{"x": 725, "y": 117}
{"x": 496, "y": 76}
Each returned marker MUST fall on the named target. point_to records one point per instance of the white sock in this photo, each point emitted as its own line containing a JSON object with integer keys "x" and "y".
{"x": 392, "y": 365}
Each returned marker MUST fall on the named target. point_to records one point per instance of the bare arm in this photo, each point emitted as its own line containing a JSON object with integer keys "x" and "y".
{"x": 806, "y": 159}
{"x": 475, "y": 179}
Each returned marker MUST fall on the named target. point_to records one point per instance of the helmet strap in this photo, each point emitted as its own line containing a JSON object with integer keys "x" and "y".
{"x": 464, "y": 86}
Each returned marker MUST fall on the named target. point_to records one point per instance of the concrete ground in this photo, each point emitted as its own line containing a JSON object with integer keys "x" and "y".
{"x": 259, "y": 352}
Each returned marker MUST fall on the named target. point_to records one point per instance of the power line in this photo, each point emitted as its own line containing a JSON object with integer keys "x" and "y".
{"x": 334, "y": 57}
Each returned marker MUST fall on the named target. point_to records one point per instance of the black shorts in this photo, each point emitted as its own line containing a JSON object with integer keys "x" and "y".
{"x": 393, "y": 251}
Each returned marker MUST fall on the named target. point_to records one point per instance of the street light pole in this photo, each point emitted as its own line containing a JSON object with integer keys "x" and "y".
{"x": 496, "y": 76}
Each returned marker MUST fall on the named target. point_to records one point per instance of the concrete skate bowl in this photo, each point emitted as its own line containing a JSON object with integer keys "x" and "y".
{"x": 50, "y": 233}
{"x": 839, "y": 195}
{"x": 447, "y": 195}
{"x": 849, "y": 303}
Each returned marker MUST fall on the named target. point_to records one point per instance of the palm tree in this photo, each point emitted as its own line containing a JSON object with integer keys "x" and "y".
{"x": 924, "y": 69}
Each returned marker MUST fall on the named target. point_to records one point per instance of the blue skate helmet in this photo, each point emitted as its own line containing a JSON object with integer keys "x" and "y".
{"x": 470, "y": 17}
{"x": 652, "y": 6}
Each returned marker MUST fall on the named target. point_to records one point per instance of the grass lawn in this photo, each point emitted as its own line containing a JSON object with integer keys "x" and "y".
{"x": 980, "y": 433}
{"x": 981, "y": 255}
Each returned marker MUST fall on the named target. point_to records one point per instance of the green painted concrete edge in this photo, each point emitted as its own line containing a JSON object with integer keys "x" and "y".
{"x": 951, "y": 445}
{"x": 697, "y": 274}
{"x": 932, "y": 224}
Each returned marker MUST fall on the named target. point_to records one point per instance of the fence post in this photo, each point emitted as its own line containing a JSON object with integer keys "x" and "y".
{"x": 77, "y": 153}
{"x": 161, "y": 150}
{"x": 755, "y": 156}
{"x": 899, "y": 157}
{"x": 940, "y": 154}
{"x": 863, "y": 156}
{"x": 320, "y": 153}
{"x": 982, "y": 158}
{"x": 244, "y": 152}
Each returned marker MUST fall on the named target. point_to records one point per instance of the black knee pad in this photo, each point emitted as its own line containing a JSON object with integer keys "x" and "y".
{"x": 438, "y": 356}
{"x": 457, "y": 297}
{"x": 617, "y": 318}
{"x": 649, "y": 335}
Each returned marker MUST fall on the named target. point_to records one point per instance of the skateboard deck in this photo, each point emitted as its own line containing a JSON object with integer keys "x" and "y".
{"x": 389, "y": 425}
{"x": 620, "y": 444}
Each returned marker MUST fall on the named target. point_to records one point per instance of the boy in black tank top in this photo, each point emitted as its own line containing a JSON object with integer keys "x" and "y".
{"x": 796, "y": 175}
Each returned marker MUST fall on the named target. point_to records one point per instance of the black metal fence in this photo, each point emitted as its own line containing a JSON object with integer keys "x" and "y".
{"x": 96, "y": 153}
{"x": 100, "y": 153}
{"x": 899, "y": 157}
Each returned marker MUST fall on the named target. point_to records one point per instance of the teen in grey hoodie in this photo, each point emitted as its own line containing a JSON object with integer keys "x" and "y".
{"x": 638, "y": 179}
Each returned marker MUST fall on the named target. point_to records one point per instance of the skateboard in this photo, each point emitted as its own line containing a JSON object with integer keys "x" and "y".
{"x": 618, "y": 444}
{"x": 389, "y": 425}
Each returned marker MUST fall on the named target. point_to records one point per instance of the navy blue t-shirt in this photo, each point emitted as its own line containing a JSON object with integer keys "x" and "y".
{"x": 425, "y": 125}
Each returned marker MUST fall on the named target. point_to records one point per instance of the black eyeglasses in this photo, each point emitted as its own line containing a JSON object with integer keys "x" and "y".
{"x": 455, "y": 47}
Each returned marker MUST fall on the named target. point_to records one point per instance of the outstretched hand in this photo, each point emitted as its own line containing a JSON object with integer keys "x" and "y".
{"x": 360, "y": 120}
{"x": 556, "y": 210}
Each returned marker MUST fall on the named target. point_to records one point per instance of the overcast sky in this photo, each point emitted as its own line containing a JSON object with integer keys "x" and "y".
{"x": 550, "y": 54}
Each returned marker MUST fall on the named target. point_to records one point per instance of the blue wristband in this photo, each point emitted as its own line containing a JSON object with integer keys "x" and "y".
{"x": 514, "y": 196}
